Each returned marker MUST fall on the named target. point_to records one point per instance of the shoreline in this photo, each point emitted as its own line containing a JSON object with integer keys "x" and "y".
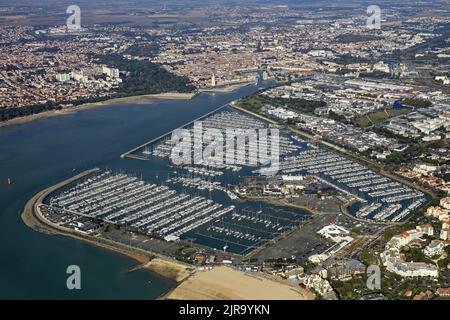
{"x": 340, "y": 150}
{"x": 227, "y": 283}
{"x": 140, "y": 99}
{"x": 162, "y": 266}
{"x": 183, "y": 276}
{"x": 227, "y": 88}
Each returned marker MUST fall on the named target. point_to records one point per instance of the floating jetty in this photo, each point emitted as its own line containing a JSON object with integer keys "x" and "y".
{"x": 378, "y": 198}
{"x": 145, "y": 145}
{"x": 252, "y": 150}
{"x": 197, "y": 183}
{"x": 383, "y": 199}
{"x": 157, "y": 210}
{"x": 124, "y": 199}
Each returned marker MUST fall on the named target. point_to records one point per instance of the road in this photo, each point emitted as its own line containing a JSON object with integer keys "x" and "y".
{"x": 374, "y": 165}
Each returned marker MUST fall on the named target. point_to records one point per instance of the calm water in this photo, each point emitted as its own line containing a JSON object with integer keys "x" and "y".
{"x": 39, "y": 154}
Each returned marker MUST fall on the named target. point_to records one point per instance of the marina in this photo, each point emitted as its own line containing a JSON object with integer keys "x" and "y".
{"x": 252, "y": 150}
{"x": 187, "y": 211}
{"x": 378, "y": 198}
{"x": 197, "y": 202}
{"x": 248, "y": 229}
{"x": 154, "y": 210}
{"x": 197, "y": 183}
{"x": 158, "y": 211}
{"x": 46, "y": 151}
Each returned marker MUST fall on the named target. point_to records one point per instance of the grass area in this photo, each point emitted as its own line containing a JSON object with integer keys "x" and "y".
{"x": 392, "y": 231}
{"x": 415, "y": 254}
{"x": 416, "y": 102}
{"x": 258, "y": 103}
{"x": 379, "y": 116}
{"x": 393, "y": 286}
{"x": 349, "y": 290}
{"x": 255, "y": 102}
{"x": 368, "y": 257}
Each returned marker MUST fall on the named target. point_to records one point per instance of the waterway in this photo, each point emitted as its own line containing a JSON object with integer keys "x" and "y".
{"x": 41, "y": 153}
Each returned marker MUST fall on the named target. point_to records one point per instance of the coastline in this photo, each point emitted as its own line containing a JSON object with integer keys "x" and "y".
{"x": 227, "y": 88}
{"x": 189, "y": 282}
{"x": 162, "y": 266}
{"x": 371, "y": 164}
{"x": 227, "y": 283}
{"x": 140, "y": 99}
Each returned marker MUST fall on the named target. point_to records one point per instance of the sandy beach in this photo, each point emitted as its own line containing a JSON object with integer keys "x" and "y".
{"x": 225, "y": 283}
{"x": 142, "y": 99}
{"x": 227, "y": 88}
{"x": 168, "y": 269}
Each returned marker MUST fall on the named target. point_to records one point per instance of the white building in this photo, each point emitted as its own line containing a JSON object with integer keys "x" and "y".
{"x": 282, "y": 113}
{"x": 381, "y": 67}
{"x": 444, "y": 79}
{"x": 432, "y": 137}
{"x": 321, "y": 285}
{"x": 445, "y": 234}
{"x": 110, "y": 72}
{"x": 392, "y": 259}
{"x": 63, "y": 77}
{"x": 411, "y": 269}
{"x": 79, "y": 76}
{"x": 424, "y": 169}
{"x": 438, "y": 212}
{"x": 445, "y": 203}
{"x": 435, "y": 248}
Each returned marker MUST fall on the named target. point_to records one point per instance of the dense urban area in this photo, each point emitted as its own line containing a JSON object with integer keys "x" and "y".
{"x": 364, "y": 121}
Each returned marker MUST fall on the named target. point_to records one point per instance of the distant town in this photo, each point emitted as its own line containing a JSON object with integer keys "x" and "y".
{"x": 363, "y": 117}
